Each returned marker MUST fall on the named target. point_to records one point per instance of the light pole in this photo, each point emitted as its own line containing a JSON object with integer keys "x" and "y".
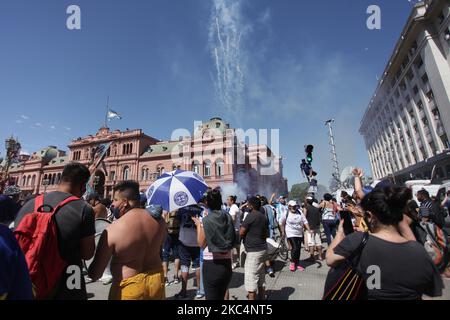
{"x": 336, "y": 173}
{"x": 45, "y": 182}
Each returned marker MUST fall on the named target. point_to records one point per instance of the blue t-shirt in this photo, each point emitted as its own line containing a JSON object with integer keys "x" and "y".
{"x": 15, "y": 283}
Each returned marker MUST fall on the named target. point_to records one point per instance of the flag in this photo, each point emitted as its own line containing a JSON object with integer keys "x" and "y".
{"x": 113, "y": 115}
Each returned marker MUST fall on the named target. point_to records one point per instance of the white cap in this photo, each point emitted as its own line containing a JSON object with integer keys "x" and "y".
{"x": 292, "y": 203}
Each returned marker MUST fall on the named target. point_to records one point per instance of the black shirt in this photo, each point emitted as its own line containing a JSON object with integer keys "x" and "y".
{"x": 314, "y": 217}
{"x": 407, "y": 271}
{"x": 74, "y": 222}
{"x": 257, "y": 226}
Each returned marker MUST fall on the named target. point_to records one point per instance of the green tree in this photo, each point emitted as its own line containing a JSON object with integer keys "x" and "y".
{"x": 299, "y": 191}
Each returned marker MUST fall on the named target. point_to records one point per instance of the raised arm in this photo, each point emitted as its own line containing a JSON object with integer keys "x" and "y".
{"x": 358, "y": 173}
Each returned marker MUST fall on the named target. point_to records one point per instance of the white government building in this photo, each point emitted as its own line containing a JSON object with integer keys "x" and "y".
{"x": 407, "y": 123}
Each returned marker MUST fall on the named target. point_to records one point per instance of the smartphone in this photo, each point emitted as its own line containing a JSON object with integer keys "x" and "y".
{"x": 348, "y": 224}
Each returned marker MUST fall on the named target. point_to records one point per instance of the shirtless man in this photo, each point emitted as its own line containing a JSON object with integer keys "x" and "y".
{"x": 134, "y": 242}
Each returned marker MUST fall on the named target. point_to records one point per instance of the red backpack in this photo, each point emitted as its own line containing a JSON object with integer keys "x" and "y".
{"x": 38, "y": 239}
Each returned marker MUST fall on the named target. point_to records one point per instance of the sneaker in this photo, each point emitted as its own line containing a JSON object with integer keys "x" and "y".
{"x": 167, "y": 282}
{"x": 299, "y": 267}
{"x": 106, "y": 280}
{"x": 235, "y": 265}
{"x": 292, "y": 267}
{"x": 181, "y": 296}
{"x": 270, "y": 272}
{"x": 176, "y": 280}
{"x": 199, "y": 295}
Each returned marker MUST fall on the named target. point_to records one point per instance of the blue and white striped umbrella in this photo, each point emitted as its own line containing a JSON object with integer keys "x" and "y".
{"x": 176, "y": 189}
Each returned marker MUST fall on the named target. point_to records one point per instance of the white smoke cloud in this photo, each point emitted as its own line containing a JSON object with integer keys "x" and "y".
{"x": 226, "y": 33}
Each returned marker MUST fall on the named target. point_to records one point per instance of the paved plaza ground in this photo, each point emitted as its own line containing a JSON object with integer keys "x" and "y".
{"x": 286, "y": 285}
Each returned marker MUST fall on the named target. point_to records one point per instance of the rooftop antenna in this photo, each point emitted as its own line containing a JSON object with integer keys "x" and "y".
{"x": 336, "y": 174}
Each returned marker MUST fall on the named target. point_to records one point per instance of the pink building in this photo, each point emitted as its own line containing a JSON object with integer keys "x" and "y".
{"x": 212, "y": 151}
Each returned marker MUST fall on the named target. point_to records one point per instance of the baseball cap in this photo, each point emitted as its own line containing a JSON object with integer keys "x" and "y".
{"x": 292, "y": 203}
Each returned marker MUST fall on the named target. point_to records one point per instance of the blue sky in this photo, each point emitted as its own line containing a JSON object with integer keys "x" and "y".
{"x": 302, "y": 63}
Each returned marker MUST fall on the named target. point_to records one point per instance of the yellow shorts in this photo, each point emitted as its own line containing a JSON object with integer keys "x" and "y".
{"x": 143, "y": 286}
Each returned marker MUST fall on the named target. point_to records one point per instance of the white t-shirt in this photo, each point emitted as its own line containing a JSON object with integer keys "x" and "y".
{"x": 294, "y": 224}
{"x": 235, "y": 213}
{"x": 188, "y": 237}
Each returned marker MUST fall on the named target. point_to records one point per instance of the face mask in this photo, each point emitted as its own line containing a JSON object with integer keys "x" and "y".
{"x": 116, "y": 212}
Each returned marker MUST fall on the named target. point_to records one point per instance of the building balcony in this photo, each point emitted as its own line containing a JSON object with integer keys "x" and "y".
{"x": 421, "y": 114}
{"x": 411, "y": 145}
{"x": 419, "y": 143}
{"x": 432, "y": 104}
{"x": 440, "y": 130}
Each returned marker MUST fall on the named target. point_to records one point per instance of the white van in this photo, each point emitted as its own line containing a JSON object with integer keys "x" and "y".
{"x": 417, "y": 185}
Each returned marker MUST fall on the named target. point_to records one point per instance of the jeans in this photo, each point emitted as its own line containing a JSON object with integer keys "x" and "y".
{"x": 201, "y": 289}
{"x": 329, "y": 227}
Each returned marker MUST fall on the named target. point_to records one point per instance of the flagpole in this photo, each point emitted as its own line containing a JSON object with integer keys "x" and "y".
{"x": 106, "y": 114}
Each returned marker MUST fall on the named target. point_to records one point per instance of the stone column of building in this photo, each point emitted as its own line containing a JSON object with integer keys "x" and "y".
{"x": 438, "y": 70}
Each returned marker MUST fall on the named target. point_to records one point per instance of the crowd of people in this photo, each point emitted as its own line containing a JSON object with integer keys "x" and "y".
{"x": 406, "y": 240}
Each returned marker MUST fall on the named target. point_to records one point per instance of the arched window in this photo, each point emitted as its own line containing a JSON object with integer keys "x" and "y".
{"x": 24, "y": 181}
{"x": 174, "y": 167}
{"x": 130, "y": 150}
{"x": 28, "y": 180}
{"x": 45, "y": 178}
{"x": 196, "y": 167}
{"x": 126, "y": 173}
{"x": 58, "y": 178}
{"x": 144, "y": 174}
{"x": 53, "y": 178}
{"x": 220, "y": 167}
{"x": 207, "y": 168}
{"x": 33, "y": 180}
{"x": 159, "y": 170}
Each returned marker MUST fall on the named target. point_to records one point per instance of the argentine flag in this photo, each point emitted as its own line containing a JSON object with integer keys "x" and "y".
{"x": 113, "y": 115}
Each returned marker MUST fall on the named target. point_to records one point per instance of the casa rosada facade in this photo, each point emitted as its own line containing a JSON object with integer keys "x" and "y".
{"x": 213, "y": 152}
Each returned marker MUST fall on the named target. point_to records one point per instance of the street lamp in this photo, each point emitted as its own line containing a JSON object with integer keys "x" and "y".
{"x": 95, "y": 182}
{"x": 45, "y": 182}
